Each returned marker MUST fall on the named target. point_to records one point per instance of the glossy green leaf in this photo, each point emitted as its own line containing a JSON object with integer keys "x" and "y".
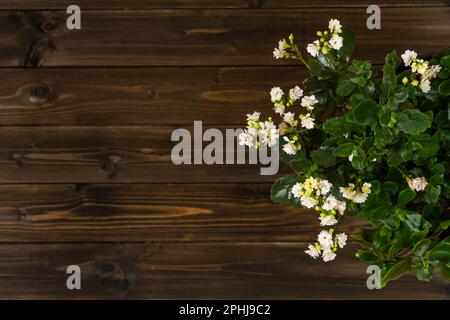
{"x": 413, "y": 121}
{"x": 365, "y": 112}
{"x": 405, "y": 197}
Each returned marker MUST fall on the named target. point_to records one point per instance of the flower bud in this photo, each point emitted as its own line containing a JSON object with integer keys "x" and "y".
{"x": 325, "y": 50}
{"x": 415, "y": 83}
{"x": 405, "y": 80}
{"x": 325, "y": 32}
{"x": 319, "y": 33}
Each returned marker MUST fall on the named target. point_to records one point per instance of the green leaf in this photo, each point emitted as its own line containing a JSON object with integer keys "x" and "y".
{"x": 394, "y": 157}
{"x": 445, "y": 271}
{"x": 441, "y": 251}
{"x": 428, "y": 149}
{"x": 445, "y": 224}
{"x": 281, "y": 190}
{"x": 424, "y": 270}
{"x": 412, "y": 221}
{"x": 366, "y": 255}
{"x": 344, "y": 150}
{"x": 335, "y": 126}
{"x": 365, "y": 112}
{"x": 389, "y": 81}
{"x": 413, "y": 122}
{"x": 359, "y": 158}
{"x": 396, "y": 271}
{"x": 432, "y": 194}
{"x": 390, "y": 186}
{"x": 444, "y": 88}
{"x": 323, "y": 157}
{"x": 382, "y": 137}
{"x": 421, "y": 247}
{"x": 345, "y": 88}
{"x": 348, "y": 44}
{"x": 405, "y": 197}
{"x": 301, "y": 165}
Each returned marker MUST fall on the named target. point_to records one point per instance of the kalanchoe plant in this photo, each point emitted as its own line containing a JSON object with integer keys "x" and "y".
{"x": 367, "y": 143}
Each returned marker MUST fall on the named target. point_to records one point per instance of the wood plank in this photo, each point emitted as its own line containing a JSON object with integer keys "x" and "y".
{"x": 176, "y": 4}
{"x": 204, "y": 37}
{"x": 139, "y": 96}
{"x": 107, "y": 154}
{"x": 152, "y": 212}
{"x": 193, "y": 271}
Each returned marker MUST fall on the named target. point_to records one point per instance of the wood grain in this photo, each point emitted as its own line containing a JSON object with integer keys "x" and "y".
{"x": 191, "y": 271}
{"x": 139, "y": 96}
{"x": 159, "y": 4}
{"x": 204, "y": 37}
{"x": 117, "y": 154}
{"x": 152, "y": 212}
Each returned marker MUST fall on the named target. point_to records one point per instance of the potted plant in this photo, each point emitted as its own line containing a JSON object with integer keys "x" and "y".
{"x": 368, "y": 143}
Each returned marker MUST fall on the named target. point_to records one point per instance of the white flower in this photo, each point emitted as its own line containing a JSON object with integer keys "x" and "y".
{"x": 246, "y": 139}
{"x": 350, "y": 157}
{"x": 360, "y": 197}
{"x": 282, "y": 128}
{"x": 282, "y": 44}
{"x": 366, "y": 187}
{"x": 277, "y": 53}
{"x": 328, "y": 220}
{"x": 268, "y": 133}
{"x": 311, "y": 183}
{"x": 328, "y": 255}
{"x": 309, "y": 101}
{"x": 329, "y": 204}
{"x": 417, "y": 184}
{"x": 307, "y": 121}
{"x": 336, "y": 42}
{"x": 419, "y": 66}
{"x": 289, "y": 117}
{"x": 335, "y": 26}
{"x": 425, "y": 85}
{"x": 312, "y": 251}
{"x": 254, "y": 116}
{"x": 341, "y": 239}
{"x": 408, "y": 57}
{"x": 276, "y": 94}
{"x": 348, "y": 192}
{"x": 313, "y": 48}
{"x": 308, "y": 202}
{"x": 297, "y": 190}
{"x": 295, "y": 93}
{"x": 341, "y": 206}
{"x": 279, "y": 108}
{"x": 325, "y": 239}
{"x": 431, "y": 72}
{"x": 289, "y": 147}
{"x": 324, "y": 187}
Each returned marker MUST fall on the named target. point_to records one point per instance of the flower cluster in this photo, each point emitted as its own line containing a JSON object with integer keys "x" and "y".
{"x": 290, "y": 128}
{"x": 259, "y": 132}
{"x": 421, "y": 70}
{"x": 286, "y": 49}
{"x": 417, "y": 184}
{"x": 356, "y": 194}
{"x": 329, "y": 40}
{"x": 316, "y": 193}
{"x": 326, "y": 245}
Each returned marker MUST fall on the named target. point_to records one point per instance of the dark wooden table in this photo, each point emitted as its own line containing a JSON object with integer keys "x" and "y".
{"x": 85, "y": 170}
